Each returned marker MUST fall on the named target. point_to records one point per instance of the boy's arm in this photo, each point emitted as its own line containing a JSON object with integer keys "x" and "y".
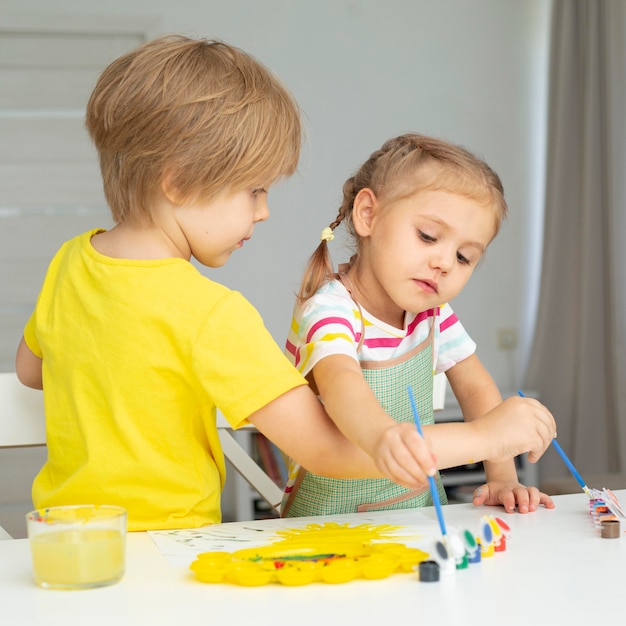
{"x": 28, "y": 366}
{"x": 297, "y": 423}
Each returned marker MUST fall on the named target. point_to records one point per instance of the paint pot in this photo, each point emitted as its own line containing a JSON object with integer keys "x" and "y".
{"x": 610, "y": 529}
{"x": 442, "y": 556}
{"x": 457, "y": 550}
{"x": 472, "y": 547}
{"x": 499, "y": 542}
{"x": 429, "y": 571}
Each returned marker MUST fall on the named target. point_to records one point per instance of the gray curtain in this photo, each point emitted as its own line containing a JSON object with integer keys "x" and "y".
{"x": 578, "y": 359}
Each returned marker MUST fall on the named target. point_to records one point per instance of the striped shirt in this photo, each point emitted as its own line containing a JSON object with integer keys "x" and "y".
{"x": 330, "y": 323}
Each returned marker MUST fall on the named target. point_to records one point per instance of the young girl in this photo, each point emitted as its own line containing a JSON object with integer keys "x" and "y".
{"x": 422, "y": 213}
{"x": 133, "y": 347}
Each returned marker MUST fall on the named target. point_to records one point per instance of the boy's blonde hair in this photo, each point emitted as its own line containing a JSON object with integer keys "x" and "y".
{"x": 403, "y": 166}
{"x": 198, "y": 116}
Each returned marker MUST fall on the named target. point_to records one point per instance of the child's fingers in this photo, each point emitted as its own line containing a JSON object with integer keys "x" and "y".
{"x": 543, "y": 499}
{"x": 490, "y": 495}
{"x": 405, "y": 471}
{"x": 420, "y": 451}
{"x": 526, "y": 425}
{"x": 480, "y": 495}
{"x": 405, "y": 458}
{"x": 522, "y": 498}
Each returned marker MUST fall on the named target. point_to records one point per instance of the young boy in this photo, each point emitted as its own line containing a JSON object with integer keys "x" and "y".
{"x": 133, "y": 347}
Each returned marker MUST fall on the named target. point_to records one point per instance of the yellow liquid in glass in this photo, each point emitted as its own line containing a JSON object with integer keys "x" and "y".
{"x": 87, "y": 557}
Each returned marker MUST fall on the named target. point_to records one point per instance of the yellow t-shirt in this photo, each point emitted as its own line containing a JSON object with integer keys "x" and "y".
{"x": 137, "y": 355}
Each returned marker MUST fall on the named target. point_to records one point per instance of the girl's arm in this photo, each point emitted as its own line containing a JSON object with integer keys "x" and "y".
{"x": 498, "y": 436}
{"x": 353, "y": 406}
{"x": 28, "y": 366}
{"x": 297, "y": 423}
{"x": 478, "y": 395}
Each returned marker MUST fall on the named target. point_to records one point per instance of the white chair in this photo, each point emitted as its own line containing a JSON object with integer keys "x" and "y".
{"x": 22, "y": 424}
{"x": 21, "y": 414}
{"x": 22, "y": 421}
{"x": 246, "y": 466}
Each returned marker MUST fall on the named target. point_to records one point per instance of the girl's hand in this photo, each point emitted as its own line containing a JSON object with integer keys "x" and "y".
{"x": 516, "y": 426}
{"x": 512, "y": 496}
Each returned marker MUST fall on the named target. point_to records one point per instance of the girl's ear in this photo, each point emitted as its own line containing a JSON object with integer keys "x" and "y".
{"x": 363, "y": 211}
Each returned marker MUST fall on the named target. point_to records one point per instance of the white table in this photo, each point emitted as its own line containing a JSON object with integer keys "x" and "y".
{"x": 556, "y": 569}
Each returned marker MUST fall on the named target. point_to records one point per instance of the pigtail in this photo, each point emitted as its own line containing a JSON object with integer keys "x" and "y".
{"x": 319, "y": 268}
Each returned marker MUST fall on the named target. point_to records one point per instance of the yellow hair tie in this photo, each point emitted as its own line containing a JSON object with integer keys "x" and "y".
{"x": 327, "y": 234}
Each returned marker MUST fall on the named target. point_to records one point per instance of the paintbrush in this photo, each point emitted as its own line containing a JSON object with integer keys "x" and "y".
{"x": 569, "y": 464}
{"x": 431, "y": 481}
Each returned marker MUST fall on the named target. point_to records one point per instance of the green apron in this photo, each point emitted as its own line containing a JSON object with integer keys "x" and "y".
{"x": 310, "y": 494}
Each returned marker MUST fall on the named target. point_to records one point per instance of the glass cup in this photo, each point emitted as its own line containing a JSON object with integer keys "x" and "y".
{"x": 77, "y": 547}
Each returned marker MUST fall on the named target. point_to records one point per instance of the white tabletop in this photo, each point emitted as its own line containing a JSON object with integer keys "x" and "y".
{"x": 556, "y": 567}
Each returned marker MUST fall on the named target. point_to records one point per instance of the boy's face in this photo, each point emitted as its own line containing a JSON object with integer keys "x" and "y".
{"x": 216, "y": 228}
{"x": 419, "y": 252}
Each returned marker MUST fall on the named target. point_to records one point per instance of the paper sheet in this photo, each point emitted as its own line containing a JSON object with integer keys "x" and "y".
{"x": 181, "y": 547}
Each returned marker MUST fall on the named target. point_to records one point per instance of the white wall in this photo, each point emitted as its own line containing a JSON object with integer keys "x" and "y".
{"x": 472, "y": 71}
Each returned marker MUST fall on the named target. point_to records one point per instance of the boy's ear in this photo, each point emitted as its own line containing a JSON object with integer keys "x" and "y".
{"x": 169, "y": 190}
{"x": 363, "y": 211}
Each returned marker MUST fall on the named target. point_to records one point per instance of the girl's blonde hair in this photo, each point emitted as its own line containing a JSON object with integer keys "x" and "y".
{"x": 198, "y": 116}
{"x": 403, "y": 166}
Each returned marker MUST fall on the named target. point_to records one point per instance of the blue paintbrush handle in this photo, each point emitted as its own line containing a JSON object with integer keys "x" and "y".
{"x": 431, "y": 481}
{"x": 566, "y": 460}
{"x": 435, "y": 496}
{"x": 569, "y": 464}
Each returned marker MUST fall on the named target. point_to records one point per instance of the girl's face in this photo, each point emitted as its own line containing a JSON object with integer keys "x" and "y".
{"x": 213, "y": 230}
{"x": 417, "y": 252}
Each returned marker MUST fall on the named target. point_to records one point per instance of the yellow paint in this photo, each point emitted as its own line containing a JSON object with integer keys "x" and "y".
{"x": 330, "y": 553}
